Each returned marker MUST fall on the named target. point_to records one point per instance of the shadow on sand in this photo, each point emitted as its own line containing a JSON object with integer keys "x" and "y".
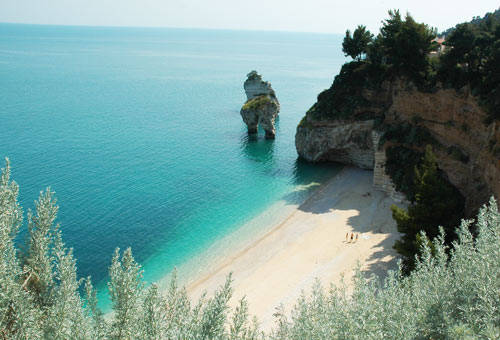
{"x": 352, "y": 190}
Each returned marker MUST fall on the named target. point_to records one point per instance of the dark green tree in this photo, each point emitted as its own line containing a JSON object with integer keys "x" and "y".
{"x": 490, "y": 91}
{"x": 460, "y": 62}
{"x": 406, "y": 44}
{"x": 473, "y": 58}
{"x": 437, "y": 203}
{"x": 356, "y": 45}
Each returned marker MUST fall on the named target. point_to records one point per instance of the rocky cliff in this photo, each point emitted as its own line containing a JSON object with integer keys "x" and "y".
{"x": 342, "y": 141}
{"x": 467, "y": 148}
{"x": 262, "y": 106}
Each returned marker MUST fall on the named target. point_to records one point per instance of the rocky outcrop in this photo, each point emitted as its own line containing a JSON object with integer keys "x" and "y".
{"x": 467, "y": 148}
{"x": 262, "y": 106}
{"x": 348, "y": 142}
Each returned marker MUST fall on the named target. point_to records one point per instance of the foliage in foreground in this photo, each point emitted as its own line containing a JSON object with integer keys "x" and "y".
{"x": 455, "y": 296}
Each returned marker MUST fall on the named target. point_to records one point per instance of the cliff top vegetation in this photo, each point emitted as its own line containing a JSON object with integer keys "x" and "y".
{"x": 475, "y": 21}
{"x": 402, "y": 50}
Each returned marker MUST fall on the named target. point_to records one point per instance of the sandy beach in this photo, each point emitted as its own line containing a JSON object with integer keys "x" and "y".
{"x": 310, "y": 243}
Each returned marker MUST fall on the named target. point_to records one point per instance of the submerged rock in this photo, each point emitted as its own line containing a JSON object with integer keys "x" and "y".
{"x": 261, "y": 107}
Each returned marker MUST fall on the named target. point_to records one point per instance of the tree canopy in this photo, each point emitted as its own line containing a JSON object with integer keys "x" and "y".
{"x": 405, "y": 45}
{"x": 436, "y": 203}
{"x": 472, "y": 58}
{"x": 356, "y": 45}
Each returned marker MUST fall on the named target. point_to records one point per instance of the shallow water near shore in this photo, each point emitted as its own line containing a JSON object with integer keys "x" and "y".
{"x": 139, "y": 134}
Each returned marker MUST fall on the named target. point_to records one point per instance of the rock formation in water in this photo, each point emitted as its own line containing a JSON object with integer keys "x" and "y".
{"x": 262, "y": 106}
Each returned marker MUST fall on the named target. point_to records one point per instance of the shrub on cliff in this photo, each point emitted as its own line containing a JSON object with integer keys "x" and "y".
{"x": 256, "y": 103}
{"x": 436, "y": 203}
{"x": 342, "y": 99}
{"x": 400, "y": 49}
{"x": 400, "y": 166}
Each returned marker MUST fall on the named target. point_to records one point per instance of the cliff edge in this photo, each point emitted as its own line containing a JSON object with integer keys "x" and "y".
{"x": 406, "y": 92}
{"x": 395, "y": 122}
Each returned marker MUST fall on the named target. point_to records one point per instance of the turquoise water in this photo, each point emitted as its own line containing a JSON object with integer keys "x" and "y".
{"x": 139, "y": 134}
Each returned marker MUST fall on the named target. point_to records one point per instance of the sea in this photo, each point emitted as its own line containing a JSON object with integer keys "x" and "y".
{"x": 138, "y": 133}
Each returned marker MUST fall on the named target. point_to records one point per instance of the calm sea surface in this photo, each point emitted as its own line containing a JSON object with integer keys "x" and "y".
{"x": 139, "y": 134}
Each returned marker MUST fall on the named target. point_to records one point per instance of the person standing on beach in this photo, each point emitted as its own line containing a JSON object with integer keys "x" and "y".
{"x": 357, "y": 235}
{"x": 352, "y": 236}
{"x": 347, "y": 237}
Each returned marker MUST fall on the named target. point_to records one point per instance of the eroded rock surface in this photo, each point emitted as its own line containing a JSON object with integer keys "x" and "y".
{"x": 348, "y": 142}
{"x": 467, "y": 146}
{"x": 262, "y": 106}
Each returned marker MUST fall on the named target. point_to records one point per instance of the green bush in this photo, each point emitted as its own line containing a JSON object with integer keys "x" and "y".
{"x": 400, "y": 166}
{"x": 406, "y": 133}
{"x": 345, "y": 95}
{"x": 256, "y": 103}
{"x": 455, "y": 296}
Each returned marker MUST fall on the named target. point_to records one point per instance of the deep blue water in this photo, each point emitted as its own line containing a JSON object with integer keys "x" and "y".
{"x": 139, "y": 134}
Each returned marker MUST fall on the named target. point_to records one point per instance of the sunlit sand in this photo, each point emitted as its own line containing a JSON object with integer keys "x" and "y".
{"x": 311, "y": 243}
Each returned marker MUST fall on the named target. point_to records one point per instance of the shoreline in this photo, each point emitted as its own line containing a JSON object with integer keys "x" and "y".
{"x": 194, "y": 283}
{"x": 307, "y": 243}
{"x": 202, "y": 264}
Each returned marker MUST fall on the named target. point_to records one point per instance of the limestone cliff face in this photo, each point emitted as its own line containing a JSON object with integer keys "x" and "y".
{"x": 457, "y": 122}
{"x": 468, "y": 149}
{"x": 262, "y": 106}
{"x": 347, "y": 142}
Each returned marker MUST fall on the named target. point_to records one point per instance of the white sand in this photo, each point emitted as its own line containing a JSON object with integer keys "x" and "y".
{"x": 310, "y": 243}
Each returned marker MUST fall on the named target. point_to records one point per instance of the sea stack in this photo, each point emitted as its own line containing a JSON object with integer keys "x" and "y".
{"x": 261, "y": 107}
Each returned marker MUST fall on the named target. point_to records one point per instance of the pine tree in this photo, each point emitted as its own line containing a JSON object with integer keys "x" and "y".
{"x": 405, "y": 45}
{"x": 356, "y": 45}
{"x": 437, "y": 203}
